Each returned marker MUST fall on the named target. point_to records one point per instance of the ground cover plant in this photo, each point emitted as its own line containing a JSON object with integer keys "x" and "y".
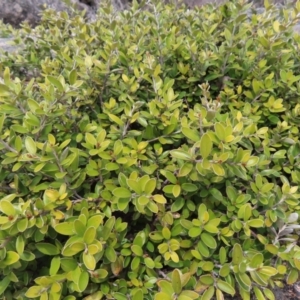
{"x": 151, "y": 154}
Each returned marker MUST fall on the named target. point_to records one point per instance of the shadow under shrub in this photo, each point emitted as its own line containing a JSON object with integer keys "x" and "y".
{"x": 151, "y": 155}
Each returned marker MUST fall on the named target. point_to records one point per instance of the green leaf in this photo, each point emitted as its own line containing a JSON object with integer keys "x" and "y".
{"x": 7, "y": 208}
{"x": 143, "y": 200}
{"x": 65, "y": 228}
{"x": 47, "y": 248}
{"x": 73, "y": 249}
{"x": 27, "y": 256}
{"x": 165, "y": 286}
{"x": 162, "y": 296}
{"x": 292, "y": 276}
{"x": 138, "y": 295}
{"x": 256, "y": 260}
{"x": 267, "y": 187}
{"x": 149, "y": 262}
{"x": 176, "y": 281}
{"x": 101, "y": 273}
{"x": 90, "y": 139}
{"x": 11, "y": 258}
{"x": 56, "y": 83}
{"x": 20, "y": 244}
{"x": 205, "y": 146}
{"x": 218, "y": 169}
{"x": 4, "y": 283}
{"x": 243, "y": 281}
{"x": 54, "y": 266}
{"x": 237, "y": 254}
{"x": 135, "y": 263}
{"x": 30, "y": 145}
{"x": 2, "y": 118}
{"x": 121, "y": 192}
{"x": 178, "y": 204}
{"x": 207, "y": 279}
{"x": 256, "y": 223}
{"x": 216, "y": 194}
{"x": 220, "y": 131}
{"x": 170, "y": 176}
{"x": 107, "y": 228}
{"x": 267, "y": 270}
{"x": 222, "y": 255}
{"x": 191, "y": 134}
{"x": 110, "y": 254}
{"x": 22, "y": 224}
{"x": 89, "y": 261}
{"x": 159, "y": 199}
{"x": 116, "y": 119}
{"x": 137, "y": 250}
{"x": 19, "y": 128}
{"x": 225, "y": 270}
{"x": 219, "y": 295}
{"x": 208, "y": 240}
{"x": 260, "y": 279}
{"x": 83, "y": 281}
{"x": 203, "y": 249}
{"x": 166, "y": 233}
{"x": 225, "y": 287}
{"x": 3, "y": 220}
{"x": 176, "y": 190}
{"x": 150, "y": 186}
{"x": 211, "y": 228}
{"x": 95, "y": 221}
{"x": 252, "y": 161}
{"x": 185, "y": 169}
{"x": 119, "y": 296}
{"x": 208, "y": 294}
{"x": 4, "y": 90}
{"x": 135, "y": 186}
{"x": 189, "y": 294}
{"x": 189, "y": 187}
{"x": 79, "y": 227}
{"x": 89, "y": 235}
{"x": 34, "y": 291}
{"x": 180, "y": 154}
{"x": 258, "y": 293}
{"x": 194, "y": 232}
{"x": 269, "y": 294}
{"x": 73, "y": 77}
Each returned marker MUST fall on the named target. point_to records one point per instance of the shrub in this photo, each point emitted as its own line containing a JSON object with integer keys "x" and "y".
{"x": 152, "y": 154}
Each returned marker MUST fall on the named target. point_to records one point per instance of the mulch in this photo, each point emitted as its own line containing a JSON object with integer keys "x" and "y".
{"x": 289, "y": 292}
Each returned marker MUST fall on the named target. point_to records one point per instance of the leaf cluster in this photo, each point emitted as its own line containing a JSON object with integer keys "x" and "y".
{"x": 154, "y": 154}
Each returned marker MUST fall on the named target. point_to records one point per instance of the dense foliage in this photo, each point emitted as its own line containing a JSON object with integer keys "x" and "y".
{"x": 151, "y": 154}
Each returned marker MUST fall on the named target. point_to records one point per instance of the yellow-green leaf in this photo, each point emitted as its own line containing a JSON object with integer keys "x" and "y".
{"x": 176, "y": 281}
{"x": 47, "y": 248}
{"x": 116, "y": 119}
{"x": 89, "y": 235}
{"x": 34, "y": 291}
{"x": 30, "y": 145}
{"x": 4, "y": 283}
{"x": 89, "y": 261}
{"x": 191, "y": 134}
{"x": 181, "y": 155}
{"x": 121, "y": 192}
{"x": 11, "y": 258}
{"x": 159, "y": 199}
{"x": 205, "y": 146}
{"x": 7, "y": 208}
{"x": 225, "y": 287}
